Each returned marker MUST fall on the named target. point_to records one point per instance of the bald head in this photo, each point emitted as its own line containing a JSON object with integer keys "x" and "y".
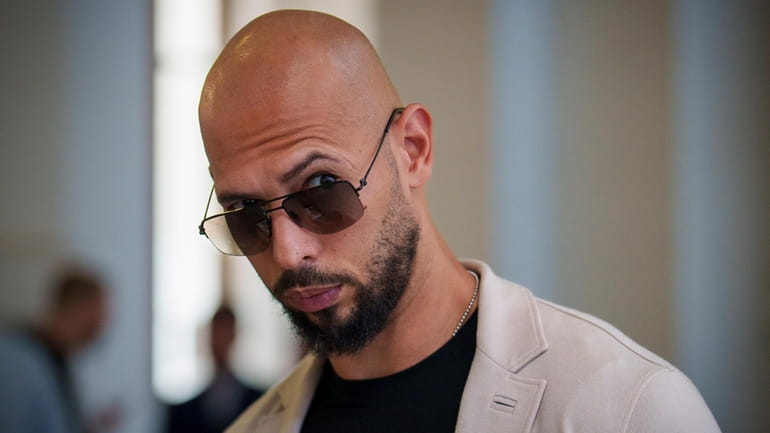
{"x": 289, "y": 61}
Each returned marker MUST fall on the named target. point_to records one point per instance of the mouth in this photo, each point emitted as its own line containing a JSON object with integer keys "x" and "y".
{"x": 312, "y": 299}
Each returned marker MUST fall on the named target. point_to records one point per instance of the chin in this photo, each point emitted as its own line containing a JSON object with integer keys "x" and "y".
{"x": 331, "y": 317}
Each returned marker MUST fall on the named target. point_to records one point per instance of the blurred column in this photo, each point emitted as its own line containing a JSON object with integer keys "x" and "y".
{"x": 186, "y": 268}
{"x": 30, "y": 244}
{"x": 523, "y": 150}
{"x": 580, "y": 158}
{"x": 723, "y": 206}
{"x": 615, "y": 165}
{"x": 75, "y": 175}
{"x": 102, "y": 192}
{"x": 436, "y": 54}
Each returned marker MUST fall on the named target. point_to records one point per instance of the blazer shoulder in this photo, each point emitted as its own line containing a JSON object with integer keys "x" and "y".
{"x": 573, "y": 327}
{"x": 653, "y": 410}
{"x": 590, "y": 360}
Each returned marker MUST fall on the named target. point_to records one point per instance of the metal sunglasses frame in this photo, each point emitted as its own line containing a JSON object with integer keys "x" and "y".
{"x": 361, "y": 184}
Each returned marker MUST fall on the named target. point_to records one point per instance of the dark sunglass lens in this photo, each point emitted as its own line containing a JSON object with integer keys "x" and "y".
{"x": 250, "y": 229}
{"x": 325, "y": 209}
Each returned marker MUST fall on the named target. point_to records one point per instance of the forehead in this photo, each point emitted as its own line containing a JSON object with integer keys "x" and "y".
{"x": 258, "y": 155}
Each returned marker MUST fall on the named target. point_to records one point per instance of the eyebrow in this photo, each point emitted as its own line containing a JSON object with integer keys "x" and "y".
{"x": 286, "y": 177}
{"x": 305, "y": 163}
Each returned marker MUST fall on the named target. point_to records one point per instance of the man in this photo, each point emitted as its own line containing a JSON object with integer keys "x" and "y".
{"x": 36, "y": 389}
{"x": 219, "y": 404}
{"x": 321, "y": 173}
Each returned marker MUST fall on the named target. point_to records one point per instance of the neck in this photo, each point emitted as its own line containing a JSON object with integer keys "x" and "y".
{"x": 437, "y": 296}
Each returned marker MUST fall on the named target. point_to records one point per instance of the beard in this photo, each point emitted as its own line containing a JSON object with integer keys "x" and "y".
{"x": 389, "y": 270}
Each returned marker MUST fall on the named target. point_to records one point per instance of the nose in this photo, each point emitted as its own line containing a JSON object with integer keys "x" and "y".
{"x": 292, "y": 245}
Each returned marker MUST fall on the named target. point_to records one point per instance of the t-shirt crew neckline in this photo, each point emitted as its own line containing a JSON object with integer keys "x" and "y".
{"x": 422, "y": 398}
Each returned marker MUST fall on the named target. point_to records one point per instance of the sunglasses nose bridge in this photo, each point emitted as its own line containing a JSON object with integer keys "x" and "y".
{"x": 292, "y": 215}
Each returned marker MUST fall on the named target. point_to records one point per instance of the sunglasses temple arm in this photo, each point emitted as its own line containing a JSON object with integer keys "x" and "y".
{"x": 362, "y": 181}
{"x": 201, "y": 230}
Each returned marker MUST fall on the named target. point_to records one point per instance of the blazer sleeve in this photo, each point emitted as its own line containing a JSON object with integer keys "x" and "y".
{"x": 670, "y": 403}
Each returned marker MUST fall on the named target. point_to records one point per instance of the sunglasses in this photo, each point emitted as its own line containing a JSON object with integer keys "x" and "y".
{"x": 323, "y": 209}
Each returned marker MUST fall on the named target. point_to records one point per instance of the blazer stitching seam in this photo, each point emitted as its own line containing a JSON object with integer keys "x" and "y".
{"x": 632, "y": 407}
{"x": 665, "y": 367}
{"x": 537, "y": 333}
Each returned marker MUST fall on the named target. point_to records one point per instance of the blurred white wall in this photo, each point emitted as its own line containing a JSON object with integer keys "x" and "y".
{"x": 722, "y": 212}
{"x": 76, "y": 177}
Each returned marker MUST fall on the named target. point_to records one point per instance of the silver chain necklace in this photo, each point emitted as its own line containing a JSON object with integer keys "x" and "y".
{"x": 470, "y": 304}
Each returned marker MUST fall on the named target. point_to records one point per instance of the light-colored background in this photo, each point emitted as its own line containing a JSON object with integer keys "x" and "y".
{"x": 612, "y": 155}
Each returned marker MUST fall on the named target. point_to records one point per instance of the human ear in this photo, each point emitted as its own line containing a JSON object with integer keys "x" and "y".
{"x": 417, "y": 143}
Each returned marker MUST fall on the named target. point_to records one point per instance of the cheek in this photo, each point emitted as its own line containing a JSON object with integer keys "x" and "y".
{"x": 350, "y": 245}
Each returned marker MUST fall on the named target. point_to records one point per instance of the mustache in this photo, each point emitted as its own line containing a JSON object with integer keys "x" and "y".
{"x": 308, "y": 276}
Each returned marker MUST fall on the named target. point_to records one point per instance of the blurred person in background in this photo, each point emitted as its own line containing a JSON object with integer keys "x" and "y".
{"x": 37, "y": 393}
{"x": 226, "y": 396}
{"x": 321, "y": 171}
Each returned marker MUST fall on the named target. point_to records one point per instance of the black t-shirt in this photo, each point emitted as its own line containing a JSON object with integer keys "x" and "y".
{"x": 424, "y": 398}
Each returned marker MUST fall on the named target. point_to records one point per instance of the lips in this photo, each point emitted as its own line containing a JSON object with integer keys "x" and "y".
{"x": 312, "y": 299}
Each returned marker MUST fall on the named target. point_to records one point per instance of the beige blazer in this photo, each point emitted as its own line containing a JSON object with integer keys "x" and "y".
{"x": 538, "y": 367}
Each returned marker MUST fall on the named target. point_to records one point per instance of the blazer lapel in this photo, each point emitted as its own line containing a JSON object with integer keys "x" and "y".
{"x": 496, "y": 399}
{"x": 271, "y": 423}
{"x": 295, "y": 397}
